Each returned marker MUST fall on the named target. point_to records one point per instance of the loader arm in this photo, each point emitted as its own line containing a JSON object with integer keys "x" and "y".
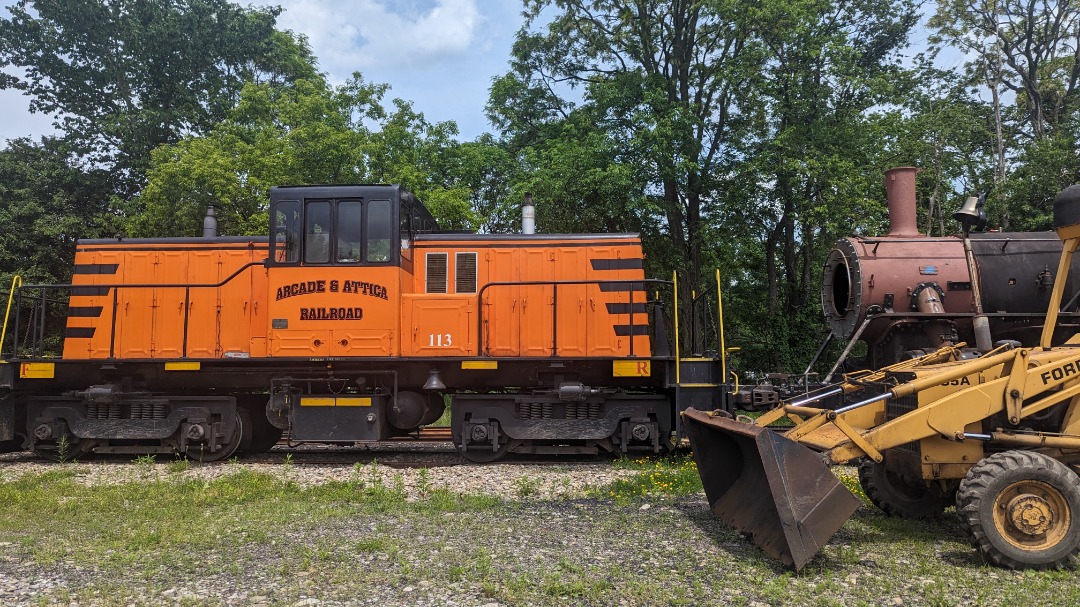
{"x": 1028, "y": 375}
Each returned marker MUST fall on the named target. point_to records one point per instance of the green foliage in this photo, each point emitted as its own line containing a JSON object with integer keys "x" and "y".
{"x": 298, "y": 133}
{"x": 654, "y": 477}
{"x": 50, "y": 200}
{"x": 126, "y": 76}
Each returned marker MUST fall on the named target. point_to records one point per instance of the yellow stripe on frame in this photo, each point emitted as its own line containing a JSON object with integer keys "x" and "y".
{"x": 183, "y": 366}
{"x": 353, "y": 402}
{"x": 340, "y": 401}
{"x": 631, "y": 368}
{"x": 479, "y": 364}
{"x": 37, "y": 370}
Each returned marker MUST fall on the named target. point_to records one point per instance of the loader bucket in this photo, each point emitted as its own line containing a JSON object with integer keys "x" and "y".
{"x": 763, "y": 484}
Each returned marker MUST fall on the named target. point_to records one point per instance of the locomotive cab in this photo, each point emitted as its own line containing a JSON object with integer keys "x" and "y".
{"x": 338, "y": 258}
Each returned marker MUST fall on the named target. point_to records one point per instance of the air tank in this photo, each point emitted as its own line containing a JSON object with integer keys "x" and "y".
{"x": 920, "y": 292}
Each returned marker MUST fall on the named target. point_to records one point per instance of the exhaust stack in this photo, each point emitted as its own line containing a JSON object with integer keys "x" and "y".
{"x": 900, "y": 192}
{"x": 209, "y": 223}
{"x": 528, "y": 215}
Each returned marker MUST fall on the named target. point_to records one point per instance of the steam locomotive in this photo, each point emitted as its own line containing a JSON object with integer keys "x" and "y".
{"x": 353, "y": 321}
{"x": 904, "y": 293}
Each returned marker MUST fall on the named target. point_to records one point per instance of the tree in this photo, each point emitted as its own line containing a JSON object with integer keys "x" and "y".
{"x": 125, "y": 76}
{"x": 665, "y": 80}
{"x": 50, "y": 200}
{"x": 298, "y": 133}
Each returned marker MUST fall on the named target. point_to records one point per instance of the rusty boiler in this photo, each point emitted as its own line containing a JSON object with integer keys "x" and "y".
{"x": 904, "y": 292}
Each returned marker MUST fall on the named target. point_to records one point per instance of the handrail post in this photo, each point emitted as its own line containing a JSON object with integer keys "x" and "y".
{"x": 16, "y": 282}
{"x": 675, "y": 289}
{"x": 720, "y": 328}
{"x": 40, "y": 339}
{"x": 632, "y": 318}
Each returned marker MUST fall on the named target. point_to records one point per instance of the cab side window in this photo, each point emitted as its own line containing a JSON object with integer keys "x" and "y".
{"x": 348, "y": 234}
{"x": 287, "y": 232}
{"x": 380, "y": 231}
{"x": 317, "y": 232}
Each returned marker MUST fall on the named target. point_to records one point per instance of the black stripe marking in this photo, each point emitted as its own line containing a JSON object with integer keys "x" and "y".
{"x": 79, "y": 332}
{"x": 624, "y": 308}
{"x": 624, "y": 330}
{"x": 84, "y": 311}
{"x": 616, "y": 264}
{"x": 96, "y": 268}
{"x": 89, "y": 291}
{"x": 621, "y": 287}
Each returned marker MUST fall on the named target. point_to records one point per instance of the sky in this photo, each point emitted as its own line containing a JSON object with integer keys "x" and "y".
{"x": 439, "y": 54}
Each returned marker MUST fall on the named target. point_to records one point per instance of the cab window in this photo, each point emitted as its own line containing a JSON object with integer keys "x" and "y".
{"x": 317, "y": 232}
{"x": 380, "y": 231}
{"x": 287, "y": 232}
{"x": 348, "y": 232}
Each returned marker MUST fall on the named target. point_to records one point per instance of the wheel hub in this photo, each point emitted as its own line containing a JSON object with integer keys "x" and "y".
{"x": 1030, "y": 514}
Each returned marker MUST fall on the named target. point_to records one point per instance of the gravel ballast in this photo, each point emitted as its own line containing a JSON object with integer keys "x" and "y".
{"x": 553, "y": 539}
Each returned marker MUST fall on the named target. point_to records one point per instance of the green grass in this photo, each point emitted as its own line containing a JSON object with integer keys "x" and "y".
{"x": 655, "y": 477}
{"x": 361, "y": 537}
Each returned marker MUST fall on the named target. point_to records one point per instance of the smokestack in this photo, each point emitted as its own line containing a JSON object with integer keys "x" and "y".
{"x": 209, "y": 223}
{"x": 528, "y": 215}
{"x": 900, "y": 192}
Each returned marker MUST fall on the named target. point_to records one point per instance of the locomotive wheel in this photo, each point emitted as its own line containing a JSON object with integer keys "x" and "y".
{"x": 69, "y": 449}
{"x": 485, "y": 456}
{"x": 1021, "y": 510}
{"x": 895, "y": 496}
{"x": 197, "y": 452}
{"x": 260, "y": 435}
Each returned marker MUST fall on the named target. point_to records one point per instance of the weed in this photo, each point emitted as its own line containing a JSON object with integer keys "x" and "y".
{"x": 666, "y": 476}
{"x": 63, "y": 449}
{"x": 423, "y": 482}
{"x": 146, "y": 463}
{"x": 179, "y": 466}
{"x": 526, "y": 486}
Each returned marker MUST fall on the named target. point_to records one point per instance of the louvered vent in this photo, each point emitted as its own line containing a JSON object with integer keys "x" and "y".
{"x": 465, "y": 277}
{"x": 436, "y": 272}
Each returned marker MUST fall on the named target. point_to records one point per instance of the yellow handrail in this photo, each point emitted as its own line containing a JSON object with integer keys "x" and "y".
{"x": 16, "y": 282}
{"x": 675, "y": 288}
{"x": 720, "y": 329}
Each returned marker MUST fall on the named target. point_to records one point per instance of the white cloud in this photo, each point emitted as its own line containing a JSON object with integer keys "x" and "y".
{"x": 369, "y": 34}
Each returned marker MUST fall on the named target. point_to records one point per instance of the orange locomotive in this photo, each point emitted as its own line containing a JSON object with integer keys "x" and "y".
{"x": 350, "y": 323}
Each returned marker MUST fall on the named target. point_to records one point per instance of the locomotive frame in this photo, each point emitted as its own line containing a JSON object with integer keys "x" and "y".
{"x": 349, "y": 324}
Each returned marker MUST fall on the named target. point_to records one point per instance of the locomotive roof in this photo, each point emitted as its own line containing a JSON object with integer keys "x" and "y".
{"x": 458, "y": 236}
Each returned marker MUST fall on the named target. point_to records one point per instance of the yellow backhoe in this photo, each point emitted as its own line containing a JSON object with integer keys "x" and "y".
{"x": 998, "y": 436}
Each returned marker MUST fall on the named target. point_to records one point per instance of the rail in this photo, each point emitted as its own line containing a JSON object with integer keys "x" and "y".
{"x": 633, "y": 284}
{"x": 38, "y": 338}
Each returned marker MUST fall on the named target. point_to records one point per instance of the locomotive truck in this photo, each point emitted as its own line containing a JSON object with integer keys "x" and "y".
{"x": 352, "y": 321}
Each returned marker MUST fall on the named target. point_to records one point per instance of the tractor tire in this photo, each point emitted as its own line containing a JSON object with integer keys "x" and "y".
{"x": 1021, "y": 510}
{"x": 897, "y": 497}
